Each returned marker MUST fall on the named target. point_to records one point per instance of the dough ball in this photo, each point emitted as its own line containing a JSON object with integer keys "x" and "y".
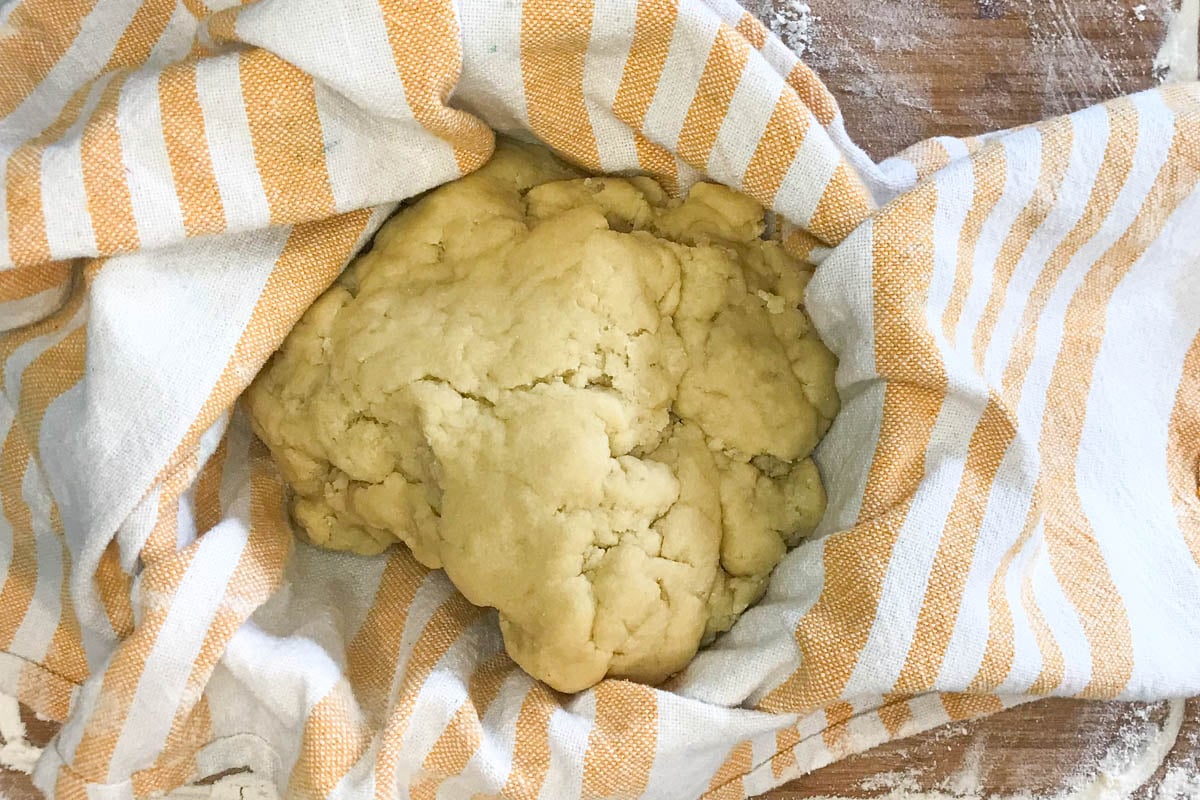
{"x": 593, "y": 405}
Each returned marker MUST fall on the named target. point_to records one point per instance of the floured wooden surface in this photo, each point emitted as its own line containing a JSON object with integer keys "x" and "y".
{"x": 905, "y": 70}
{"x": 1052, "y": 749}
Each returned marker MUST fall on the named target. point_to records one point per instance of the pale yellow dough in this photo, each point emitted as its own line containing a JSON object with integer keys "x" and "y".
{"x": 591, "y": 404}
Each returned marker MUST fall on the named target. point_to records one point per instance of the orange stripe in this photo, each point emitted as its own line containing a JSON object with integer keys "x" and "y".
{"x": 27, "y": 242}
{"x": 445, "y": 626}
{"x": 312, "y": 257}
{"x": 996, "y": 429}
{"x": 554, "y": 42}
{"x": 997, "y": 660}
{"x": 196, "y": 8}
{"x": 1074, "y": 553}
{"x": 1113, "y": 172}
{"x": 1057, "y": 139}
{"x": 754, "y": 31}
{"x": 842, "y": 206}
{"x": 429, "y": 59}
{"x": 836, "y": 735}
{"x": 56, "y": 369}
{"x": 187, "y": 150}
{"x": 1183, "y": 450}
{"x": 654, "y": 25}
{"x": 531, "y": 750}
{"x": 1001, "y": 649}
{"x": 27, "y": 226}
{"x": 800, "y": 244}
{"x": 23, "y": 181}
{"x": 974, "y": 144}
{"x": 47, "y": 695}
{"x": 20, "y": 283}
{"x": 722, "y": 72}
{"x": 450, "y": 755}
{"x": 653, "y": 28}
{"x": 459, "y": 741}
{"x": 10, "y": 341}
{"x": 812, "y": 92}
{"x": 776, "y": 150}
{"x": 42, "y": 31}
{"x": 1053, "y": 664}
{"x": 70, "y": 786}
{"x": 161, "y": 575}
{"x": 833, "y": 633}
{"x": 961, "y": 706}
{"x": 113, "y": 586}
{"x": 65, "y": 656}
{"x": 171, "y": 770}
{"x": 144, "y": 31}
{"x": 727, "y": 782}
{"x": 895, "y": 713}
{"x": 927, "y": 157}
{"x": 621, "y": 745}
{"x": 222, "y": 28}
{"x": 281, "y": 112}
{"x": 785, "y": 747}
{"x": 258, "y": 575}
{"x": 335, "y": 737}
{"x": 989, "y": 174}
{"x": 108, "y": 201}
{"x": 17, "y": 593}
{"x": 208, "y": 488}
{"x": 956, "y": 550}
{"x": 372, "y": 655}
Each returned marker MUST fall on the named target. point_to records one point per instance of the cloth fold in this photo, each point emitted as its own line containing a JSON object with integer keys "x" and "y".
{"x": 1013, "y": 505}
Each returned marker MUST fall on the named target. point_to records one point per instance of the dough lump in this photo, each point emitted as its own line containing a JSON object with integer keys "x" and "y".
{"x": 592, "y": 404}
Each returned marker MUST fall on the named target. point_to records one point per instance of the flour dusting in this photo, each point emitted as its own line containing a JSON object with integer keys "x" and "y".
{"x": 1135, "y": 757}
{"x": 907, "y": 781}
{"x": 1176, "y": 60}
{"x": 16, "y": 753}
{"x": 969, "y": 779}
{"x": 794, "y": 23}
{"x": 1142, "y": 743}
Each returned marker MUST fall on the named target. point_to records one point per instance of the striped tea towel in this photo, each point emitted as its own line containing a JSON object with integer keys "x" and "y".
{"x": 1013, "y": 478}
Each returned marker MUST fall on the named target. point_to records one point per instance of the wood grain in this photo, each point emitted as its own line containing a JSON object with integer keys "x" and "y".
{"x": 905, "y": 70}
{"x": 1041, "y": 749}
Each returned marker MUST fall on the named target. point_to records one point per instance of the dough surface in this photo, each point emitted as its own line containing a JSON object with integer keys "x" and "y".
{"x": 591, "y": 404}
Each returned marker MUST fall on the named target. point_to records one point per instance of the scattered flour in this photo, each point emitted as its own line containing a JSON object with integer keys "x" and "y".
{"x": 1135, "y": 758}
{"x": 969, "y": 779}
{"x": 1180, "y": 783}
{"x": 906, "y": 781}
{"x": 1176, "y": 60}
{"x": 794, "y": 23}
{"x": 16, "y": 753}
{"x": 1140, "y": 749}
{"x": 1139, "y": 12}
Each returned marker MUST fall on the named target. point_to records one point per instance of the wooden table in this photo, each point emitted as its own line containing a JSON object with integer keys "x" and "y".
{"x": 905, "y": 70}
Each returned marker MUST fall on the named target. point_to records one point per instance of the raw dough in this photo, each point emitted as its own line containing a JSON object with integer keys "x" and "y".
{"x": 591, "y": 404}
